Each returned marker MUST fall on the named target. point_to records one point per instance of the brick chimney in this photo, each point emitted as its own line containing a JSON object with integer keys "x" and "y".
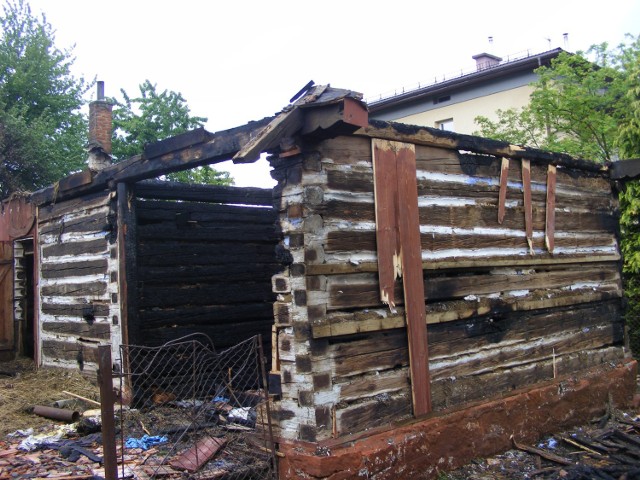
{"x": 100, "y": 130}
{"x": 486, "y": 60}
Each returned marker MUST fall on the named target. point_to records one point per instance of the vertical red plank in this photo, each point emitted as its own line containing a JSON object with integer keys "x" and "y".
{"x": 413, "y": 282}
{"x": 528, "y": 208}
{"x": 385, "y": 184}
{"x": 550, "y": 224}
{"x": 502, "y": 197}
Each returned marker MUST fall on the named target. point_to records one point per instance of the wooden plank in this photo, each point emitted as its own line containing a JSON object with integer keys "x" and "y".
{"x": 351, "y": 291}
{"x": 413, "y": 285}
{"x": 6, "y": 296}
{"x": 96, "y": 222}
{"x": 214, "y": 314}
{"x": 222, "y": 146}
{"x": 460, "y": 214}
{"x": 177, "y": 142}
{"x": 502, "y": 198}
{"x": 86, "y": 202}
{"x": 507, "y": 261}
{"x": 75, "y": 309}
{"x": 528, "y": 212}
{"x": 195, "y": 457}
{"x": 371, "y": 414}
{"x": 456, "y": 141}
{"x": 100, "y": 330}
{"x": 71, "y": 350}
{"x": 17, "y": 217}
{"x": 285, "y": 124}
{"x": 337, "y": 118}
{"x": 448, "y": 311}
{"x": 204, "y": 193}
{"x": 74, "y": 289}
{"x": 86, "y": 247}
{"x": 201, "y": 214}
{"x": 551, "y": 209}
{"x": 247, "y": 233}
{"x": 207, "y": 294}
{"x": 74, "y": 269}
{"x": 186, "y": 253}
{"x": 456, "y": 243}
{"x": 386, "y": 216}
{"x": 178, "y": 274}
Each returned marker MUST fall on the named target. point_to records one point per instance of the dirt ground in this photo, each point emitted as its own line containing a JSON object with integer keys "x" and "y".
{"x": 607, "y": 448}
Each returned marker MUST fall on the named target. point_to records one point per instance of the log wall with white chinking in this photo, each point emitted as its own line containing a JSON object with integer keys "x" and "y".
{"x": 500, "y": 316}
{"x": 78, "y": 285}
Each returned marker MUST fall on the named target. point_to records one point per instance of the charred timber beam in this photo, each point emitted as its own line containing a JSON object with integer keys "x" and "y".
{"x": 209, "y": 193}
{"x": 222, "y": 146}
{"x": 457, "y": 141}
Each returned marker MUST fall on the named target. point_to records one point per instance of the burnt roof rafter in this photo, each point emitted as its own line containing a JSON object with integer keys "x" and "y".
{"x": 321, "y": 111}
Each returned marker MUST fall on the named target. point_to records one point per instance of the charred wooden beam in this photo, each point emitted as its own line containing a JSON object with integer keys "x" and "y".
{"x": 204, "y": 193}
{"x": 457, "y": 141}
{"x": 128, "y": 263}
{"x": 178, "y": 142}
{"x": 222, "y": 146}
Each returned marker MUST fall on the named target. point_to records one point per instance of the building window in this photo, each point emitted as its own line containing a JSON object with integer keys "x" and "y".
{"x": 445, "y": 125}
{"x": 446, "y": 98}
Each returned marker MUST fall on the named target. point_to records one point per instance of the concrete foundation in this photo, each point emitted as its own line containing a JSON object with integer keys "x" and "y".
{"x": 447, "y": 440}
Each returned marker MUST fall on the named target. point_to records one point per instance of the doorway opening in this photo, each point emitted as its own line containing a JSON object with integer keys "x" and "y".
{"x": 23, "y": 297}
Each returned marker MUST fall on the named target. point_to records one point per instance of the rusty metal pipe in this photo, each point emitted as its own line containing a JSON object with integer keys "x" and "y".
{"x": 56, "y": 413}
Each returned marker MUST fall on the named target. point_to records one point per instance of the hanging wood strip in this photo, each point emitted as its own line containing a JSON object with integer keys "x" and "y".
{"x": 386, "y": 206}
{"x": 502, "y": 197}
{"x": 528, "y": 209}
{"x": 413, "y": 282}
{"x": 400, "y": 253}
{"x": 551, "y": 208}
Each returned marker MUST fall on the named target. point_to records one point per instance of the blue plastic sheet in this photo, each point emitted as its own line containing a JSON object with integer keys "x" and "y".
{"x": 146, "y": 442}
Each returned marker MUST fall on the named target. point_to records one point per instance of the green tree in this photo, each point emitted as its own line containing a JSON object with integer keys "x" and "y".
{"x": 577, "y": 105}
{"x": 154, "y": 116}
{"x": 42, "y": 130}
{"x": 588, "y": 105}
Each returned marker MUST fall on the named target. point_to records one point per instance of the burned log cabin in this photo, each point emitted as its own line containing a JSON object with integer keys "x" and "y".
{"x": 424, "y": 295}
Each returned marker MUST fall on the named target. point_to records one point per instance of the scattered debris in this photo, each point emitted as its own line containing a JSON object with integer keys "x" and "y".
{"x": 597, "y": 451}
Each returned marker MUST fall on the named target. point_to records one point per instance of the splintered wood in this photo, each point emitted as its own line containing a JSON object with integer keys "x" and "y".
{"x": 386, "y": 209}
{"x": 398, "y": 233}
{"x": 528, "y": 209}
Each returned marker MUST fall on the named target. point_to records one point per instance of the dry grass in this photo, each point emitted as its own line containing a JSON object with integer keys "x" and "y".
{"x": 22, "y": 387}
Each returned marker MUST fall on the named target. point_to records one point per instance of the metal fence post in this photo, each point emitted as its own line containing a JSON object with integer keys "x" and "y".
{"x": 107, "y": 400}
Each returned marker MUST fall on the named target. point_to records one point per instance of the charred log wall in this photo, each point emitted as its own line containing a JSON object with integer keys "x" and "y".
{"x": 205, "y": 258}
{"x": 499, "y": 316}
{"x": 79, "y": 302}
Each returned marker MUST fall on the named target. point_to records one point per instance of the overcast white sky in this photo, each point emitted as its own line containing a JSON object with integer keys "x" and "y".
{"x": 235, "y": 61}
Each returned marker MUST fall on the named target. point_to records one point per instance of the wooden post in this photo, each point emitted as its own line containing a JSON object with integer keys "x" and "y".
{"x": 400, "y": 253}
{"x": 107, "y": 400}
{"x": 127, "y": 262}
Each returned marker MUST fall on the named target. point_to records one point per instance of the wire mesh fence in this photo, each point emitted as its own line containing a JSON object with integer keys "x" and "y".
{"x": 197, "y": 412}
